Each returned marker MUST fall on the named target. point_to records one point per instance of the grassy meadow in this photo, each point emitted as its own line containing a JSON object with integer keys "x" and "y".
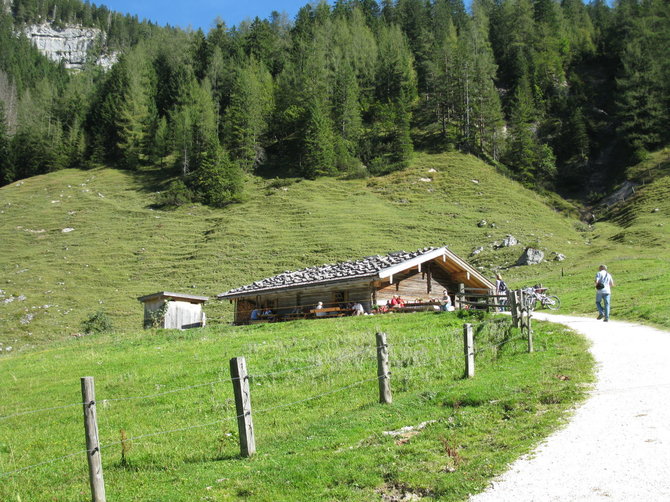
{"x": 75, "y": 242}
{"x": 319, "y": 426}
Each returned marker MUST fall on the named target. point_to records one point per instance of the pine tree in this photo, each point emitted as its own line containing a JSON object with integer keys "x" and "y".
{"x": 247, "y": 116}
{"x": 6, "y": 168}
{"x": 318, "y": 157}
{"x": 521, "y": 152}
{"x": 396, "y": 95}
{"x": 642, "y": 87}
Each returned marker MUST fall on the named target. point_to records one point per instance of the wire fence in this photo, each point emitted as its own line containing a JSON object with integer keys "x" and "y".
{"x": 292, "y": 370}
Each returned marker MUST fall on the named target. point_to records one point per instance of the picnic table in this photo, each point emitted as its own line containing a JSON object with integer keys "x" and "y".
{"x": 331, "y": 312}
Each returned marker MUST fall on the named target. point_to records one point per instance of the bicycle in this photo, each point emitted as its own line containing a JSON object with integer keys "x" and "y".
{"x": 534, "y": 295}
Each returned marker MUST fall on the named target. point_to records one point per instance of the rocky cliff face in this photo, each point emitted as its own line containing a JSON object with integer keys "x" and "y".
{"x": 70, "y": 45}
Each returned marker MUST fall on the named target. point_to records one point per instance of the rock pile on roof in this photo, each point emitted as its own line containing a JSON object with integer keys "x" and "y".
{"x": 370, "y": 265}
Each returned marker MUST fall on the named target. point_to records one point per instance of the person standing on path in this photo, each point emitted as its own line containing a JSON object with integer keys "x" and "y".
{"x": 604, "y": 283}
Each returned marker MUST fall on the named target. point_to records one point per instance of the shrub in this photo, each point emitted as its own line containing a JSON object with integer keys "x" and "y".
{"x": 97, "y": 323}
{"x": 176, "y": 195}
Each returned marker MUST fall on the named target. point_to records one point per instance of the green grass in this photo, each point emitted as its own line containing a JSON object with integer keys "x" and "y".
{"x": 121, "y": 248}
{"x": 330, "y": 448}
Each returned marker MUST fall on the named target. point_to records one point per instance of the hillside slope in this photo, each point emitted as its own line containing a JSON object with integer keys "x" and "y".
{"x": 75, "y": 242}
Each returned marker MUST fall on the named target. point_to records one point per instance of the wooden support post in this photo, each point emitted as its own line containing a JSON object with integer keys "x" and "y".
{"x": 530, "y": 333}
{"x": 245, "y": 425}
{"x": 469, "y": 349}
{"x": 460, "y": 297}
{"x": 492, "y": 301}
{"x": 513, "y": 302}
{"x": 383, "y": 369}
{"x": 92, "y": 440}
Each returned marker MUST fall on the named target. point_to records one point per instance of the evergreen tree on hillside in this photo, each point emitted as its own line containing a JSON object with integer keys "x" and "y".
{"x": 396, "y": 93}
{"x": 246, "y": 119}
{"x": 643, "y": 86}
{"x": 7, "y": 174}
{"x": 318, "y": 157}
{"x": 136, "y": 112}
{"x": 521, "y": 153}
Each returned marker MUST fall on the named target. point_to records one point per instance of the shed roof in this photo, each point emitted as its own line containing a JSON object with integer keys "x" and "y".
{"x": 372, "y": 266}
{"x": 174, "y": 296}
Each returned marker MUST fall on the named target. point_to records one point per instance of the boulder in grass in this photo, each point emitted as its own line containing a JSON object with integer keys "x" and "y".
{"x": 559, "y": 257}
{"x": 476, "y": 251}
{"x": 481, "y": 224}
{"x": 530, "y": 256}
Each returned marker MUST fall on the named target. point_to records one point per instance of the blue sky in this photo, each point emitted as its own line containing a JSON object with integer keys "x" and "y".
{"x": 202, "y": 13}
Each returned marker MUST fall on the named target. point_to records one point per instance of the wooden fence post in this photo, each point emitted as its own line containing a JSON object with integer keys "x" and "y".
{"x": 245, "y": 425}
{"x": 530, "y": 332}
{"x": 468, "y": 345}
{"x": 492, "y": 301}
{"x": 512, "y": 301}
{"x": 460, "y": 296}
{"x": 92, "y": 440}
{"x": 383, "y": 369}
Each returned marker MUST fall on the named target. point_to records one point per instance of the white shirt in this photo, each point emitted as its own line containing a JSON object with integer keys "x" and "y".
{"x": 604, "y": 277}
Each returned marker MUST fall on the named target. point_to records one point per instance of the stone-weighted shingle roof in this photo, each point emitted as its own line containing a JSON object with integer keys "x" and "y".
{"x": 368, "y": 266}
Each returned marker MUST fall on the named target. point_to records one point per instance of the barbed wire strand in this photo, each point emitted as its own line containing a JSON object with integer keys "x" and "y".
{"x": 29, "y": 412}
{"x": 51, "y": 461}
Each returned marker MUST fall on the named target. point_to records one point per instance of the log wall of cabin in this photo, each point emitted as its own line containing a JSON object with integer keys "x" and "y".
{"x": 428, "y": 283}
{"x": 306, "y": 299}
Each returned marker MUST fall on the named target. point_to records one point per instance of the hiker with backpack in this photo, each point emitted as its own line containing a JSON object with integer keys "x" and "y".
{"x": 603, "y": 283}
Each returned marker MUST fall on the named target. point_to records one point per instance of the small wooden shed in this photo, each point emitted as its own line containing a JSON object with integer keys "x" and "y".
{"x": 370, "y": 281}
{"x": 173, "y": 310}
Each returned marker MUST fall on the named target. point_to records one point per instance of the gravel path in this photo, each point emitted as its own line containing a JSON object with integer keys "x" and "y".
{"x": 617, "y": 445}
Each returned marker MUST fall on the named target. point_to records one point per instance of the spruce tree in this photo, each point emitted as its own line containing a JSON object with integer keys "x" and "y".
{"x": 247, "y": 116}
{"x": 318, "y": 158}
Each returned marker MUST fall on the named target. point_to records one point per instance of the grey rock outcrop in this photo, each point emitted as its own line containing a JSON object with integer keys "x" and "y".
{"x": 69, "y": 45}
{"x": 507, "y": 242}
{"x": 530, "y": 256}
{"x": 477, "y": 250}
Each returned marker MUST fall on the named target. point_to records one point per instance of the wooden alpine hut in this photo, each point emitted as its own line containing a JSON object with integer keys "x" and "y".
{"x": 173, "y": 310}
{"x": 372, "y": 282}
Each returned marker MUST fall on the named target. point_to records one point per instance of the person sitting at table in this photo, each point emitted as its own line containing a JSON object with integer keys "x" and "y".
{"x": 255, "y": 315}
{"x": 396, "y": 301}
{"x": 267, "y": 313}
{"x": 320, "y": 306}
{"x": 446, "y": 302}
{"x": 357, "y": 309}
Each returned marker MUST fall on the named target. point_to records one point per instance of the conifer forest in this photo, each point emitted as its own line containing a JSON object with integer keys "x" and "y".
{"x": 560, "y": 95}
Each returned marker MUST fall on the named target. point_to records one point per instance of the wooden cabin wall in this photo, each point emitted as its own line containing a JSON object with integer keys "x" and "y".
{"x": 429, "y": 283}
{"x": 183, "y": 315}
{"x": 409, "y": 286}
{"x": 306, "y": 299}
{"x": 443, "y": 280}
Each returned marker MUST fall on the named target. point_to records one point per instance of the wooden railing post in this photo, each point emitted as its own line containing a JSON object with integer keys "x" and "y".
{"x": 460, "y": 296}
{"x": 92, "y": 440}
{"x": 383, "y": 369}
{"x": 469, "y": 349}
{"x": 245, "y": 425}
{"x": 514, "y": 303}
{"x": 530, "y": 333}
